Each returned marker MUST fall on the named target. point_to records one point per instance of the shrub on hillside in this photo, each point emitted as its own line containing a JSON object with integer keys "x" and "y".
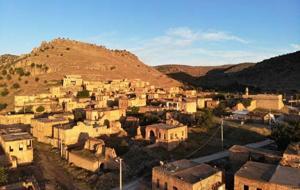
{"x": 27, "y": 73}
{"x": 3, "y": 106}
{"x": 4, "y": 92}
{"x": 20, "y": 71}
{"x": 36, "y": 79}
{"x": 16, "y": 85}
{"x": 4, "y": 72}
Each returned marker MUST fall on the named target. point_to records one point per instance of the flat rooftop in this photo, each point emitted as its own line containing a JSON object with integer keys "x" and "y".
{"x": 256, "y": 171}
{"x": 16, "y": 136}
{"x": 164, "y": 126}
{"x": 87, "y": 154}
{"x": 266, "y": 152}
{"x": 286, "y": 176}
{"x": 65, "y": 125}
{"x": 49, "y": 120}
{"x": 188, "y": 171}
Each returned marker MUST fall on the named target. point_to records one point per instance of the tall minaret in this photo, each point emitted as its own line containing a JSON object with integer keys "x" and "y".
{"x": 247, "y": 92}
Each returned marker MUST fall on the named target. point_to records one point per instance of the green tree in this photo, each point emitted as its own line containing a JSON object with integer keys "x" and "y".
{"x": 83, "y": 94}
{"x": 135, "y": 110}
{"x": 285, "y": 133}
{"x": 204, "y": 118}
{"x": 3, "y": 175}
{"x": 246, "y": 102}
{"x": 3, "y": 106}
{"x": 40, "y": 109}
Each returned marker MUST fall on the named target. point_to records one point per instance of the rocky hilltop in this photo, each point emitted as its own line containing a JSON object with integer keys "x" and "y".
{"x": 47, "y": 64}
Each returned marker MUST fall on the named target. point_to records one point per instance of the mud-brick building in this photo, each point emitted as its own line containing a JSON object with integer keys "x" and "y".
{"x": 187, "y": 175}
{"x": 266, "y": 101}
{"x": 16, "y": 146}
{"x": 10, "y": 119}
{"x": 189, "y": 105}
{"x": 42, "y": 128}
{"x": 166, "y": 135}
{"x": 239, "y": 155}
{"x": 71, "y": 133}
{"x": 262, "y": 176}
{"x": 72, "y": 80}
{"x": 125, "y": 102}
{"x": 93, "y": 157}
{"x": 103, "y": 116}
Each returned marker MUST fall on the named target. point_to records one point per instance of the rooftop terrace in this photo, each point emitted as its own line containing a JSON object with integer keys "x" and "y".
{"x": 188, "y": 171}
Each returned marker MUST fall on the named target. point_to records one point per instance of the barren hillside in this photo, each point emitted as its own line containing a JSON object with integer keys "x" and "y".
{"x": 47, "y": 64}
{"x": 279, "y": 73}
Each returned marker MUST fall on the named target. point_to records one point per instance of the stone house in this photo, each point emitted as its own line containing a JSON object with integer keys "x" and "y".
{"x": 125, "y": 102}
{"x": 239, "y": 155}
{"x": 17, "y": 146}
{"x": 10, "y": 119}
{"x": 72, "y": 80}
{"x": 189, "y": 106}
{"x": 166, "y": 135}
{"x": 42, "y": 128}
{"x": 266, "y": 101}
{"x": 186, "y": 175}
{"x": 212, "y": 103}
{"x": 72, "y": 133}
{"x": 94, "y": 156}
{"x": 262, "y": 176}
{"x": 190, "y": 93}
{"x": 104, "y": 116}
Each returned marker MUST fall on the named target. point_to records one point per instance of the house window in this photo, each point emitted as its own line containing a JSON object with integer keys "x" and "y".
{"x": 157, "y": 183}
{"x": 11, "y": 149}
{"x": 182, "y": 133}
{"x": 29, "y": 144}
{"x": 171, "y": 136}
{"x": 246, "y": 187}
{"x": 21, "y": 147}
{"x": 159, "y": 135}
{"x": 165, "y": 136}
{"x": 175, "y": 188}
{"x": 258, "y": 189}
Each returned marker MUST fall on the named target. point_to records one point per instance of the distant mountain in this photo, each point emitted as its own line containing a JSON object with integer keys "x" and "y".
{"x": 47, "y": 64}
{"x": 7, "y": 58}
{"x": 280, "y": 73}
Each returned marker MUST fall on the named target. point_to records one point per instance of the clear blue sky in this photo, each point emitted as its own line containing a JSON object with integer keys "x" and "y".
{"x": 196, "y": 32}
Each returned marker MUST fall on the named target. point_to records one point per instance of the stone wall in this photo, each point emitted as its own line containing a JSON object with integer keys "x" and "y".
{"x": 16, "y": 119}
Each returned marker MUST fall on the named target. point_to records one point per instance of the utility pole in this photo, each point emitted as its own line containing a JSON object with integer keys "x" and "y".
{"x": 120, "y": 173}
{"x": 120, "y": 162}
{"x": 222, "y": 137}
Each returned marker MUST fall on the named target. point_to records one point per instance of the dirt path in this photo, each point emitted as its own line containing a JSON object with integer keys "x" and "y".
{"x": 55, "y": 175}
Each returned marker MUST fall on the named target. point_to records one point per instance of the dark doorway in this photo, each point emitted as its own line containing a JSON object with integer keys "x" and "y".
{"x": 152, "y": 137}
